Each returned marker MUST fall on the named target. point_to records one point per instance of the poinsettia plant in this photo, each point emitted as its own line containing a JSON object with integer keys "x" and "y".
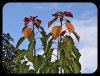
{"x": 68, "y": 55}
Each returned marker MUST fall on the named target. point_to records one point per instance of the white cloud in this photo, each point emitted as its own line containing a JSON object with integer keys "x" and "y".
{"x": 87, "y": 29}
{"x": 51, "y": 6}
{"x": 88, "y": 59}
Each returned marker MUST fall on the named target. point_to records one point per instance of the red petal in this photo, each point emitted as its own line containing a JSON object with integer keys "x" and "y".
{"x": 37, "y": 23}
{"x": 50, "y": 22}
{"x": 31, "y": 18}
{"x": 59, "y": 13}
{"x": 26, "y": 23}
{"x": 62, "y": 34}
{"x": 56, "y": 15}
{"x": 26, "y": 20}
{"x": 35, "y": 17}
{"x": 69, "y": 14}
{"x": 61, "y": 18}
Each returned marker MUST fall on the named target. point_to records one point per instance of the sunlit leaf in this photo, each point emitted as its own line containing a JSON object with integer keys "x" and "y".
{"x": 20, "y": 41}
{"x": 56, "y": 31}
{"x": 76, "y": 35}
{"x": 24, "y": 28}
{"x": 69, "y": 26}
{"x": 20, "y": 55}
{"x": 51, "y": 22}
{"x": 27, "y": 31}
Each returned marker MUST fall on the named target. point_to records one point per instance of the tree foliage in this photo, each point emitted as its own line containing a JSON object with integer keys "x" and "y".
{"x": 8, "y": 54}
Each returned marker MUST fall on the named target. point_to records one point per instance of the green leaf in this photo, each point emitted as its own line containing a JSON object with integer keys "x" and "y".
{"x": 37, "y": 62}
{"x": 65, "y": 62}
{"x": 24, "y": 68}
{"x": 31, "y": 36}
{"x": 67, "y": 70}
{"x": 29, "y": 54}
{"x": 47, "y": 36}
{"x": 77, "y": 66}
{"x": 62, "y": 57}
{"x": 55, "y": 68}
{"x": 31, "y": 72}
{"x": 77, "y": 36}
{"x": 43, "y": 33}
{"x": 46, "y": 63}
{"x": 43, "y": 40}
{"x": 20, "y": 41}
{"x": 67, "y": 46}
{"x": 50, "y": 52}
{"x": 76, "y": 53}
{"x": 20, "y": 55}
{"x": 69, "y": 42}
{"x": 31, "y": 45}
{"x": 48, "y": 46}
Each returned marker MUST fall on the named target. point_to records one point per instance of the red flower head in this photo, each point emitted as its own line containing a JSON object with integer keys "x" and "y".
{"x": 59, "y": 13}
{"x": 26, "y": 20}
{"x": 69, "y": 14}
{"x": 37, "y": 23}
{"x": 33, "y": 18}
{"x": 55, "y": 15}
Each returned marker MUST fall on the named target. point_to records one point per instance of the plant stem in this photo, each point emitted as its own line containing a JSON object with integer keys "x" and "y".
{"x": 34, "y": 45}
{"x": 58, "y": 54}
{"x": 34, "y": 39}
{"x": 60, "y": 46}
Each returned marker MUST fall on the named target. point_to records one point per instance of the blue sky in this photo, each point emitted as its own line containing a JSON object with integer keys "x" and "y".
{"x": 84, "y": 21}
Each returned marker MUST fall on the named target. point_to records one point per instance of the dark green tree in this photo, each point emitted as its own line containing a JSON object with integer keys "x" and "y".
{"x": 8, "y": 54}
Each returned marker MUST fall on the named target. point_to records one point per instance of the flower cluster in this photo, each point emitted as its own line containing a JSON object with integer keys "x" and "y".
{"x": 35, "y": 21}
{"x": 68, "y": 14}
{"x": 62, "y": 14}
{"x": 26, "y": 30}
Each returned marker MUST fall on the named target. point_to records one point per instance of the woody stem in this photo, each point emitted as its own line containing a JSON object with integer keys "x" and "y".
{"x": 60, "y": 46}
{"x": 34, "y": 39}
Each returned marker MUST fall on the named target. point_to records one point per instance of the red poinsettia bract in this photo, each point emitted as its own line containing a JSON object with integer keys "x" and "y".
{"x": 36, "y": 22}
